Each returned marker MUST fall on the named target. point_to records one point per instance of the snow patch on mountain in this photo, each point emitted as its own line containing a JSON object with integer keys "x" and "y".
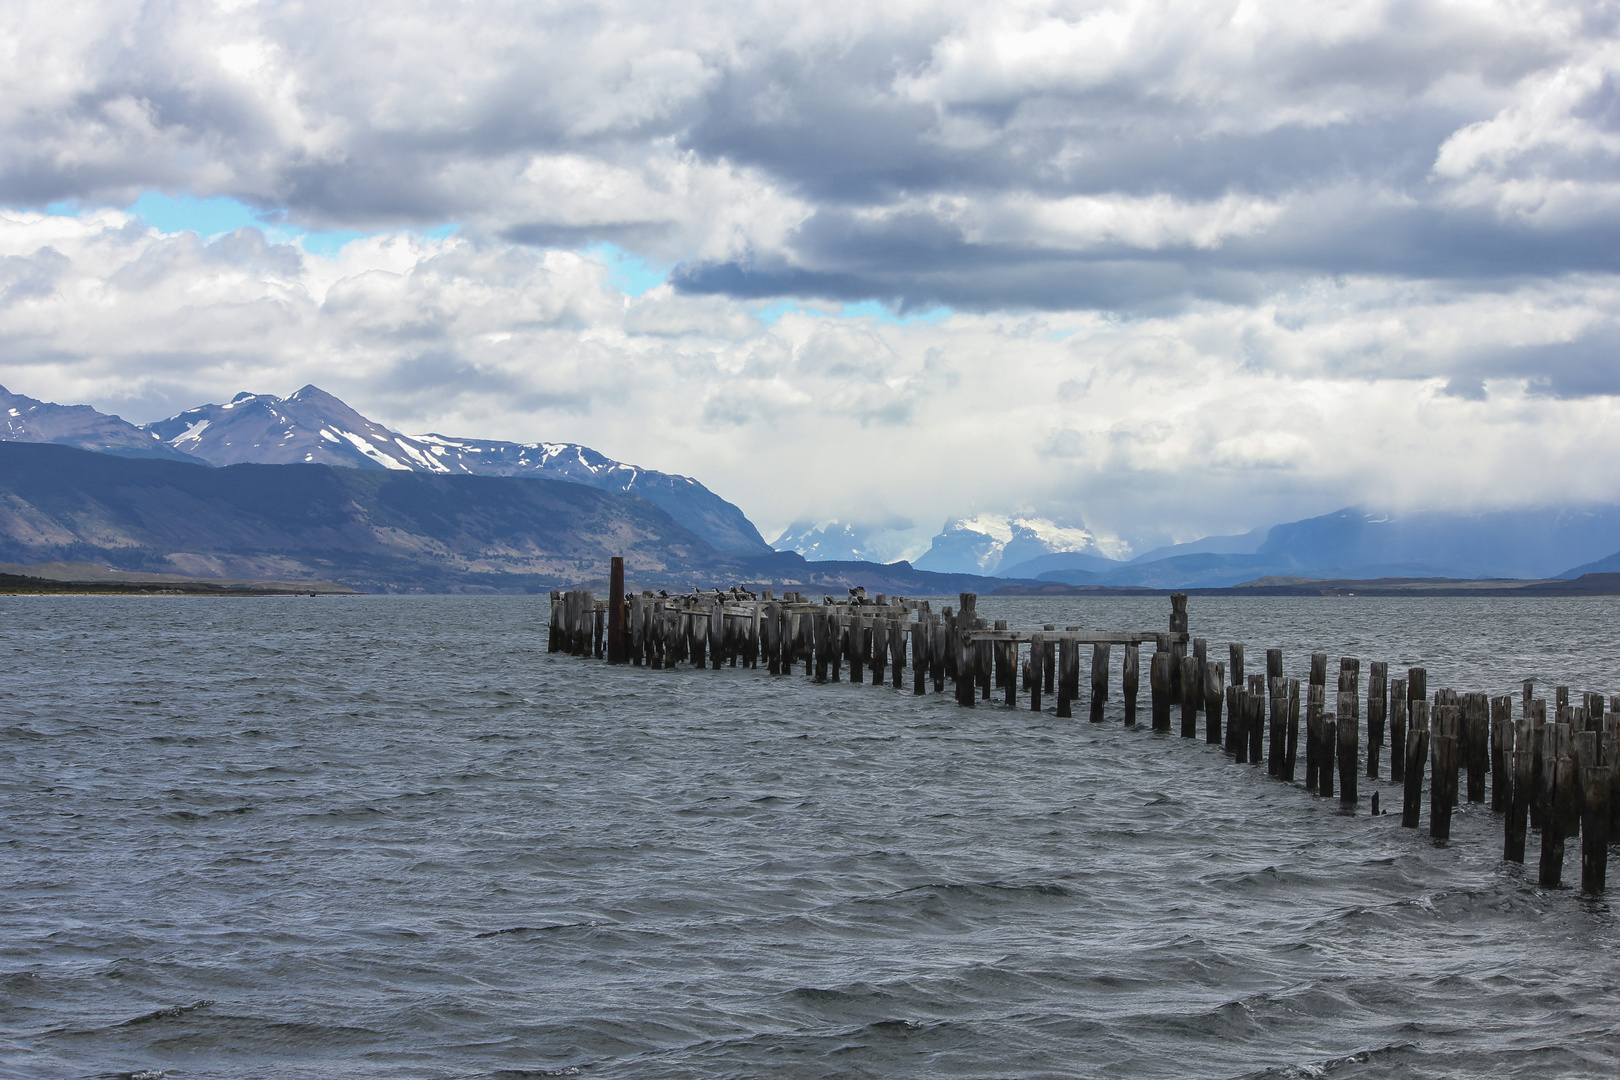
{"x": 833, "y": 540}
{"x": 985, "y": 543}
{"x": 313, "y": 427}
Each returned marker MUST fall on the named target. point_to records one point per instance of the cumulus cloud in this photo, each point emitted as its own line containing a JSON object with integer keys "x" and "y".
{"x": 1206, "y": 265}
{"x": 1215, "y": 418}
{"x": 1118, "y": 155}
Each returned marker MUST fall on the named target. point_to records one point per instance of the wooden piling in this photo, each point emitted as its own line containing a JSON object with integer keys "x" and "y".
{"x": 1214, "y": 691}
{"x": 1417, "y": 753}
{"x": 1178, "y": 625}
{"x": 1326, "y": 753}
{"x": 1237, "y": 723}
{"x": 1068, "y": 669}
{"x": 1130, "y": 675}
{"x": 1237, "y": 738}
{"x": 1442, "y": 768}
{"x": 1235, "y": 656}
{"x": 1049, "y": 661}
{"x": 1501, "y": 752}
{"x": 1349, "y": 735}
{"x": 1099, "y": 680}
{"x": 1596, "y": 781}
{"x": 1192, "y": 694}
{"x": 1037, "y": 652}
{"x": 1398, "y": 711}
{"x": 1277, "y": 751}
{"x": 1476, "y": 736}
{"x": 1377, "y": 712}
{"x": 1291, "y": 752}
{"x": 1560, "y": 785}
{"x": 1315, "y": 712}
{"x": 1200, "y": 652}
{"x": 1256, "y": 720}
{"x": 1159, "y": 684}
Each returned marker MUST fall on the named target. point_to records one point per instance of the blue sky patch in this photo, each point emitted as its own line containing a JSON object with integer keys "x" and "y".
{"x": 630, "y": 274}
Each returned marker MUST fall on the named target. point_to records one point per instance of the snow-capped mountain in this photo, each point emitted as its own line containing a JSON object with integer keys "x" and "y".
{"x": 985, "y": 543}
{"x": 26, "y": 419}
{"x": 841, "y": 541}
{"x": 312, "y": 426}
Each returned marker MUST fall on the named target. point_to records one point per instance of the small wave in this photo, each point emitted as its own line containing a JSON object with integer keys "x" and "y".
{"x": 536, "y": 929}
{"x": 173, "y": 1012}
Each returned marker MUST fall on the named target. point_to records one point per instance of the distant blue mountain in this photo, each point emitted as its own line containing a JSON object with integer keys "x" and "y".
{"x": 1356, "y": 544}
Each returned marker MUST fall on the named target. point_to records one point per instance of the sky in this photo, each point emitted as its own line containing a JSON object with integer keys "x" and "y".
{"x": 1158, "y": 270}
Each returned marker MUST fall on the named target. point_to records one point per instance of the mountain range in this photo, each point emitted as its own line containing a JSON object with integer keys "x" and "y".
{"x": 691, "y": 535}
{"x": 376, "y": 530}
{"x": 313, "y": 427}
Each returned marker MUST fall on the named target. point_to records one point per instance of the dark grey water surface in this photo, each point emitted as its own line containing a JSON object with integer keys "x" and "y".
{"x": 392, "y": 837}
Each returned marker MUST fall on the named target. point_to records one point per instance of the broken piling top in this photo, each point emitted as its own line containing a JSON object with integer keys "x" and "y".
{"x": 1178, "y": 613}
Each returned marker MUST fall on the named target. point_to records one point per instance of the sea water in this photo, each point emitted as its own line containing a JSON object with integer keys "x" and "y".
{"x": 393, "y": 837}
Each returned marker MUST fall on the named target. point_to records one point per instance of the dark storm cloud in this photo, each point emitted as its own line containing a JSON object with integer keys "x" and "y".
{"x": 1585, "y": 366}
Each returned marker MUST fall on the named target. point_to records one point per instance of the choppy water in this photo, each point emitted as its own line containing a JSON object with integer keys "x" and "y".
{"x": 392, "y": 837}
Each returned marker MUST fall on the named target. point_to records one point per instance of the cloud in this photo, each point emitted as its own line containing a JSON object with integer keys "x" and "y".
{"x": 1214, "y": 417}
{"x": 1186, "y": 269}
{"x": 1119, "y": 156}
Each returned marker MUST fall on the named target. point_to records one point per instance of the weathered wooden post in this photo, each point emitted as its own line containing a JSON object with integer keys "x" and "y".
{"x": 982, "y": 662}
{"x": 1178, "y": 648}
{"x": 1255, "y": 722}
{"x": 1291, "y": 755}
{"x": 1326, "y": 751}
{"x": 966, "y": 651}
{"x": 920, "y": 659}
{"x": 1159, "y": 683}
{"x": 1315, "y": 713}
{"x": 1501, "y": 751}
{"x": 1349, "y": 735}
{"x": 1049, "y": 660}
{"x": 1559, "y": 784}
{"x": 1417, "y": 752}
{"x": 616, "y": 644}
{"x": 1068, "y": 676}
{"x": 938, "y": 651}
{"x": 1278, "y": 749}
{"x": 836, "y": 631}
{"x": 1274, "y": 665}
{"x": 1099, "y": 680}
{"x": 1595, "y": 784}
{"x": 1192, "y": 694}
{"x": 1541, "y": 770}
{"x": 1200, "y": 651}
{"x": 1129, "y": 678}
{"x": 1234, "y": 654}
{"x": 1037, "y": 651}
{"x": 1377, "y": 711}
{"x": 1520, "y": 795}
{"x": 1214, "y": 693}
{"x": 1237, "y": 723}
{"x": 1397, "y": 730}
{"x": 1417, "y": 686}
{"x": 877, "y": 647}
{"x": 1443, "y": 770}
{"x": 1315, "y": 710}
{"x": 1476, "y": 728}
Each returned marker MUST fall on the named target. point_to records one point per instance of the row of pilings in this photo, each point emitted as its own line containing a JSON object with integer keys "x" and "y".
{"x": 1556, "y": 777}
